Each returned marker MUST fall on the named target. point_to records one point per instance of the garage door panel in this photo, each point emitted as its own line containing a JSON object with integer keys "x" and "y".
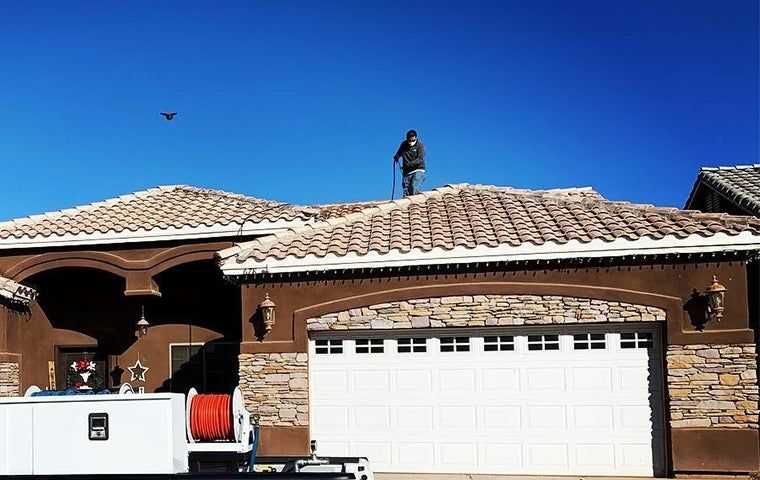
{"x": 633, "y": 379}
{"x": 415, "y": 418}
{"x": 597, "y": 417}
{"x": 513, "y": 411}
{"x": 595, "y": 379}
{"x": 414, "y": 454}
{"x": 372, "y": 418}
{"x": 458, "y": 455}
{"x": 331, "y": 418}
{"x": 507, "y": 417}
{"x": 500, "y": 380}
{"x": 505, "y": 457}
{"x": 459, "y": 380}
{"x": 457, "y": 418}
{"x": 547, "y": 455}
{"x": 543, "y": 379}
{"x": 414, "y": 381}
{"x": 370, "y": 381}
{"x": 331, "y": 382}
{"x": 381, "y": 453}
{"x": 635, "y": 455}
{"x": 546, "y": 416}
{"x": 634, "y": 417}
{"x": 595, "y": 455}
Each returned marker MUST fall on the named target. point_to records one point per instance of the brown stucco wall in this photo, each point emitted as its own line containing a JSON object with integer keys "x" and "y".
{"x": 667, "y": 288}
{"x": 85, "y": 302}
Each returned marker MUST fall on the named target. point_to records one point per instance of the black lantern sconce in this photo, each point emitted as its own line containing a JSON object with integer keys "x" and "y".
{"x": 716, "y": 296}
{"x": 267, "y": 308}
{"x": 142, "y": 324}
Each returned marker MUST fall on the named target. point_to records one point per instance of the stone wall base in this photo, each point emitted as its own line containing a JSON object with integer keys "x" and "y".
{"x": 276, "y": 387}
{"x": 10, "y": 379}
{"x": 713, "y": 386}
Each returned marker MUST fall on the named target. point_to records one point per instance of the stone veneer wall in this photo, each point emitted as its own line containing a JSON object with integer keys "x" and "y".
{"x": 713, "y": 385}
{"x": 485, "y": 310}
{"x": 275, "y": 387}
{"x": 9, "y": 379}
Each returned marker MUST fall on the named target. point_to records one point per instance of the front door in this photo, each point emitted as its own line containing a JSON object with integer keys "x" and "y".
{"x": 74, "y": 368}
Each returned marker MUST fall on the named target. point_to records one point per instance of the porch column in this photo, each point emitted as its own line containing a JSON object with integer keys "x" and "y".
{"x": 10, "y": 363}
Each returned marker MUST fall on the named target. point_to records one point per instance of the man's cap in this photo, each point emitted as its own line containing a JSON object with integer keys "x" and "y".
{"x": 411, "y": 133}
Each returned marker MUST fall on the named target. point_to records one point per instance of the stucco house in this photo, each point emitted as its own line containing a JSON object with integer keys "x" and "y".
{"x": 467, "y": 329}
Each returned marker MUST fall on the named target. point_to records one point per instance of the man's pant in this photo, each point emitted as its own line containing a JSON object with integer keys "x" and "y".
{"x": 412, "y": 182}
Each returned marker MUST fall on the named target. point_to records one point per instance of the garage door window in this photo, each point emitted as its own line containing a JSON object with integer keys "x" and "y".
{"x": 325, "y": 347}
{"x": 589, "y": 341}
{"x": 543, "y": 342}
{"x": 409, "y": 345}
{"x": 636, "y": 340}
{"x": 370, "y": 345}
{"x": 455, "y": 344}
{"x": 500, "y": 343}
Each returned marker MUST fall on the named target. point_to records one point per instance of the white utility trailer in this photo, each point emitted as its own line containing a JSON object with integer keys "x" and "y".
{"x": 132, "y": 434}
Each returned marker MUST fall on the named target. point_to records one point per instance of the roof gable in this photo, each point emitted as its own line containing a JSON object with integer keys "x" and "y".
{"x": 161, "y": 213}
{"x": 739, "y": 185}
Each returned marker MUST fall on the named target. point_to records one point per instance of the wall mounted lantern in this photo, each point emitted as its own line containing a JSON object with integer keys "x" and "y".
{"x": 268, "y": 310}
{"x": 716, "y": 295}
{"x": 142, "y": 324}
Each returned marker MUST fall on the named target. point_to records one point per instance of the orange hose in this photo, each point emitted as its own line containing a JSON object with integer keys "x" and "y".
{"x": 211, "y": 418}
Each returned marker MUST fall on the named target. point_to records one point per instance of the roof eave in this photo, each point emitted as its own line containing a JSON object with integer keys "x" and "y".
{"x": 17, "y": 294}
{"x": 718, "y": 243}
{"x": 229, "y": 231}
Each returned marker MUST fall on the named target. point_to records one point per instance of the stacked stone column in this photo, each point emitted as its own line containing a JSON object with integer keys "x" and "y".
{"x": 10, "y": 381}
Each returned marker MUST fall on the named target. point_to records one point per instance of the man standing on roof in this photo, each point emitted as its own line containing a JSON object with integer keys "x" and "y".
{"x": 413, "y": 167}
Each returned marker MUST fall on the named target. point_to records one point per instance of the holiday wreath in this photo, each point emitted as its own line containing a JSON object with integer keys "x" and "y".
{"x": 82, "y": 374}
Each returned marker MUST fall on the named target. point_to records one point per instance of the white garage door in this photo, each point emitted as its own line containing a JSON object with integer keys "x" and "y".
{"x": 584, "y": 402}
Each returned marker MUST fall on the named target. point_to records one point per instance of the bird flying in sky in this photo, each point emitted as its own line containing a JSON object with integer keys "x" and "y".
{"x": 169, "y": 115}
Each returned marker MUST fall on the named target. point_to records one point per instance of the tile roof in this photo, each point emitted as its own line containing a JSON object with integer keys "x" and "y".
{"x": 474, "y": 216}
{"x": 16, "y": 293}
{"x": 157, "y": 212}
{"x": 740, "y": 184}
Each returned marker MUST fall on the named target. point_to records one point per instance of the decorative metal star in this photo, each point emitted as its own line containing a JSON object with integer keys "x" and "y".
{"x": 137, "y": 371}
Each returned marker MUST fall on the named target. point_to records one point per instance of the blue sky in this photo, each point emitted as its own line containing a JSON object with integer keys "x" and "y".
{"x": 306, "y": 101}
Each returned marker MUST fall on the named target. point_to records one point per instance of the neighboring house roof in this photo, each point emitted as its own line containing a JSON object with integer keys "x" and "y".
{"x": 162, "y": 213}
{"x": 480, "y": 223}
{"x": 739, "y": 184}
{"x": 16, "y": 293}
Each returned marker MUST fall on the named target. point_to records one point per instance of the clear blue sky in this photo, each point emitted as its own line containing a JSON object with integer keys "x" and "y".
{"x": 306, "y": 101}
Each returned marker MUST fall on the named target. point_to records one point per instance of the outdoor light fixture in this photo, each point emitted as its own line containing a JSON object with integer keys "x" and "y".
{"x": 716, "y": 295}
{"x": 142, "y": 324}
{"x": 267, "y": 309}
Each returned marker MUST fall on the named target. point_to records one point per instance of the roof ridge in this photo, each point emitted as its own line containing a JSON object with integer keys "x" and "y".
{"x": 552, "y": 192}
{"x": 365, "y": 213}
{"x": 729, "y": 167}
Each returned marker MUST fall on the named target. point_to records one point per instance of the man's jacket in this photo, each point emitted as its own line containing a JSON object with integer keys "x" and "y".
{"x": 413, "y": 155}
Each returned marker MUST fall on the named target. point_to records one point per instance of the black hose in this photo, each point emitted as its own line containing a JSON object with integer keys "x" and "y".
{"x": 393, "y": 191}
